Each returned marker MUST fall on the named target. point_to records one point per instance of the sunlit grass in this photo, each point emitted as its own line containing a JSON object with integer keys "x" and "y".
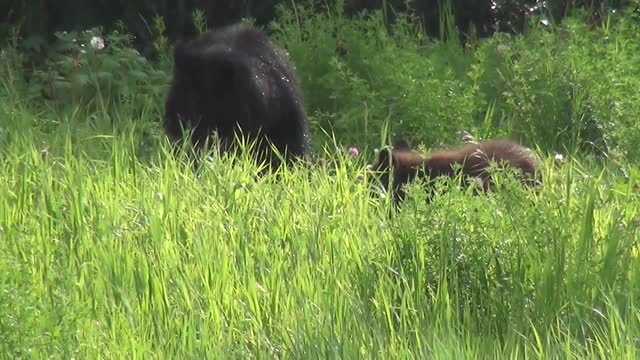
{"x": 106, "y": 255}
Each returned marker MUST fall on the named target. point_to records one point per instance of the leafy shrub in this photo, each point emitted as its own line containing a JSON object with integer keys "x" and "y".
{"x": 357, "y": 76}
{"x": 568, "y": 87}
{"x": 563, "y": 88}
{"x": 103, "y": 72}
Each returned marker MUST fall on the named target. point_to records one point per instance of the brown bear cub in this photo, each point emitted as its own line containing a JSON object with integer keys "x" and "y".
{"x": 402, "y": 165}
{"x": 235, "y": 78}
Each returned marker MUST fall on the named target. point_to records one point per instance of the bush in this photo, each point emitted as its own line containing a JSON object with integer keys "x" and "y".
{"x": 357, "y": 76}
{"x": 552, "y": 88}
{"x": 101, "y": 71}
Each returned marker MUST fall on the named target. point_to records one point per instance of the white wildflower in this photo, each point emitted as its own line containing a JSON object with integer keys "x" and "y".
{"x": 97, "y": 43}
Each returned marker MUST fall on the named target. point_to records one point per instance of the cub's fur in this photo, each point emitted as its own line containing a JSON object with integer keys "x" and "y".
{"x": 402, "y": 165}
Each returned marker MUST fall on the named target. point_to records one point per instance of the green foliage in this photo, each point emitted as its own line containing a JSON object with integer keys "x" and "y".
{"x": 357, "y": 75}
{"x": 102, "y": 72}
{"x": 360, "y": 79}
{"x": 568, "y": 86}
{"x": 552, "y": 88}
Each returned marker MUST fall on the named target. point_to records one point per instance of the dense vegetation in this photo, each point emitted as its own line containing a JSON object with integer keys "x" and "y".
{"x": 39, "y": 19}
{"x": 110, "y": 248}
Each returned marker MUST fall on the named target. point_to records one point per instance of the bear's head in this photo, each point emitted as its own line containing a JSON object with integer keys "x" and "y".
{"x": 396, "y": 166}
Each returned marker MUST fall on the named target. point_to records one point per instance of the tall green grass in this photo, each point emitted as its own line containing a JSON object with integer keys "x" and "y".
{"x": 108, "y": 253}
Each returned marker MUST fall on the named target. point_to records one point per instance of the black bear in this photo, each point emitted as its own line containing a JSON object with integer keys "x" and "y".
{"x": 231, "y": 79}
{"x": 402, "y": 165}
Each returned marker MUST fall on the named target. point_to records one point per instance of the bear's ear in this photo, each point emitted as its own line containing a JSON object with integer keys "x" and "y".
{"x": 401, "y": 144}
{"x": 187, "y": 63}
{"x": 385, "y": 158}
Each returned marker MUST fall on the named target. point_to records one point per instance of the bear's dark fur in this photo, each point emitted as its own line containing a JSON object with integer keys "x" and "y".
{"x": 236, "y": 78}
{"x": 402, "y": 165}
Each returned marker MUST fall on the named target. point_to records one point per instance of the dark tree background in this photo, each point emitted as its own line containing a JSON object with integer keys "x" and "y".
{"x": 39, "y": 19}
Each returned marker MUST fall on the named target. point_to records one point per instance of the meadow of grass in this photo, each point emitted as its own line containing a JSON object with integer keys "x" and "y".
{"x": 112, "y": 249}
